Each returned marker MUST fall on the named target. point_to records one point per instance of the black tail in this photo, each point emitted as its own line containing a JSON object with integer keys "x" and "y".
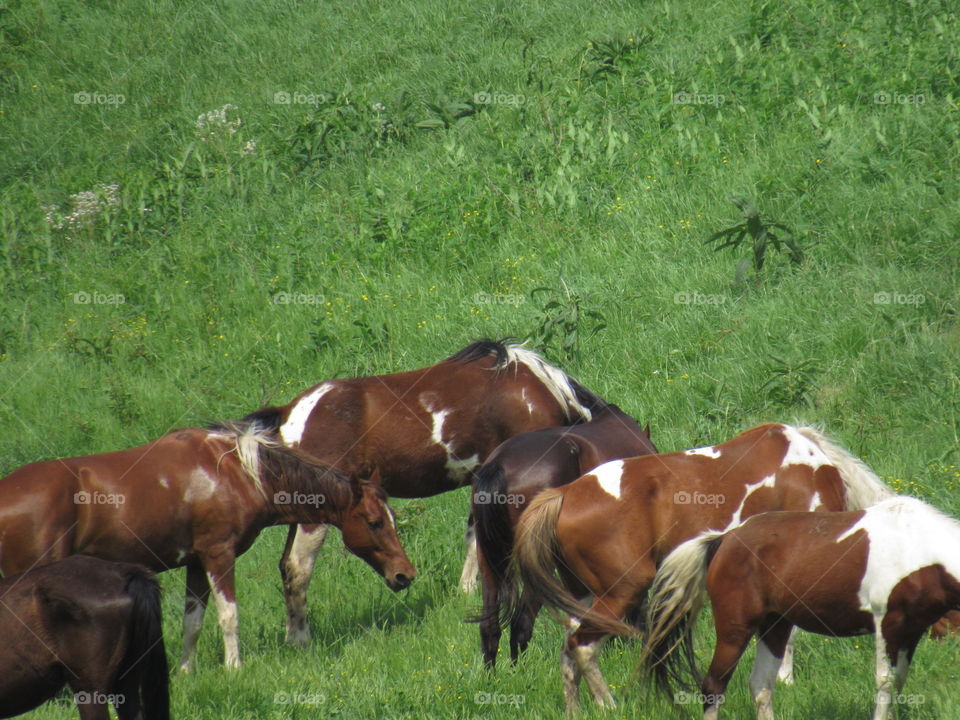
{"x": 269, "y": 419}
{"x": 495, "y": 535}
{"x": 144, "y": 667}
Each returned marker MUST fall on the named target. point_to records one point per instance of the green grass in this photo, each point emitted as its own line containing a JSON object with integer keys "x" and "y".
{"x": 405, "y": 219}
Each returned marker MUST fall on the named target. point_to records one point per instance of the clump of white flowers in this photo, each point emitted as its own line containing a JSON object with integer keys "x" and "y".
{"x": 84, "y": 208}
{"x": 220, "y": 123}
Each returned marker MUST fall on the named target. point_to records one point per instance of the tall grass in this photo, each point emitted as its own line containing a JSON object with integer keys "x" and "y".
{"x": 395, "y": 180}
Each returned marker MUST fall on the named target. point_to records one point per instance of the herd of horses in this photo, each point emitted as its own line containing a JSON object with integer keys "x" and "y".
{"x": 573, "y": 508}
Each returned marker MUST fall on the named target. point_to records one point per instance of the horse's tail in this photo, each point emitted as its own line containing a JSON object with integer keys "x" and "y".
{"x": 536, "y": 553}
{"x": 144, "y": 666}
{"x": 495, "y": 535}
{"x": 676, "y": 598}
{"x": 862, "y": 487}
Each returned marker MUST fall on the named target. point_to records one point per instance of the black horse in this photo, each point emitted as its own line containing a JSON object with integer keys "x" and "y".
{"x": 516, "y": 471}
{"x": 92, "y": 625}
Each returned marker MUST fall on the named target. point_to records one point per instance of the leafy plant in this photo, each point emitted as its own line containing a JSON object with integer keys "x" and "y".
{"x": 563, "y": 321}
{"x": 761, "y": 236}
{"x": 607, "y": 55}
{"x": 791, "y": 383}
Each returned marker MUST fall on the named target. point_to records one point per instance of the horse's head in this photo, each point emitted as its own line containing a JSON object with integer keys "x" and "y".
{"x": 370, "y": 532}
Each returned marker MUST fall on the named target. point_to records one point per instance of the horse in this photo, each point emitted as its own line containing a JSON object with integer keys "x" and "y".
{"x": 515, "y": 472}
{"x": 92, "y": 625}
{"x": 424, "y": 431}
{"x": 892, "y": 569}
{"x": 196, "y": 497}
{"x": 607, "y": 531}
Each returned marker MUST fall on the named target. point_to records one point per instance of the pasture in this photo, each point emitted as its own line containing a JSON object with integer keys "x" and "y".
{"x": 206, "y": 207}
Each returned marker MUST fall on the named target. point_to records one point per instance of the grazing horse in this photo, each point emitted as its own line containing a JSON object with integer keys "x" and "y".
{"x": 196, "y": 498}
{"x": 519, "y": 469}
{"x": 424, "y": 431}
{"x": 92, "y": 625}
{"x": 607, "y": 532}
{"x": 892, "y": 569}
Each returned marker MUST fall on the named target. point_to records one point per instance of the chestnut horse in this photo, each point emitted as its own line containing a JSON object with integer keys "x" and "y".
{"x": 423, "y": 430}
{"x": 516, "y": 472}
{"x": 92, "y": 625}
{"x": 196, "y": 498}
{"x": 608, "y": 531}
{"x": 892, "y": 569}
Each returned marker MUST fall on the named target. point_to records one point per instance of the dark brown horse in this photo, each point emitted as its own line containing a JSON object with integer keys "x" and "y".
{"x": 607, "y": 532}
{"x": 892, "y": 569}
{"x": 92, "y": 625}
{"x": 195, "y": 498}
{"x": 515, "y": 473}
{"x": 424, "y": 431}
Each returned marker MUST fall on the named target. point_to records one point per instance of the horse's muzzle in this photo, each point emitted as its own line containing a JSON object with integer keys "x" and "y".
{"x": 399, "y": 582}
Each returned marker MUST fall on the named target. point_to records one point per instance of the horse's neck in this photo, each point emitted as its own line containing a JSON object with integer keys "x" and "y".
{"x": 300, "y": 503}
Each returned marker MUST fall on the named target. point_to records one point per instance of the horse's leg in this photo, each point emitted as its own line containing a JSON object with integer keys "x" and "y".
{"x": 586, "y": 642}
{"x": 296, "y": 569}
{"x": 570, "y": 670}
{"x": 195, "y": 604}
{"x": 773, "y": 639}
{"x": 220, "y": 574}
{"x": 490, "y": 614}
{"x": 731, "y": 644}
{"x": 895, "y": 646}
{"x": 521, "y": 629}
{"x": 785, "y": 675}
{"x": 92, "y": 705}
{"x": 468, "y": 577}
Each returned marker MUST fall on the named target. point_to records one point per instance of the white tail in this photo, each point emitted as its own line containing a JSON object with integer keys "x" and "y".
{"x": 863, "y": 487}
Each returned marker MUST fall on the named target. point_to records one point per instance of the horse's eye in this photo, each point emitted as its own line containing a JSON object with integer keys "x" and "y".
{"x": 378, "y": 525}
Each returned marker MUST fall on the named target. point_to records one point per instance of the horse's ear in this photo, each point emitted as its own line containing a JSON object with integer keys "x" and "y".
{"x": 646, "y": 431}
{"x": 356, "y": 489}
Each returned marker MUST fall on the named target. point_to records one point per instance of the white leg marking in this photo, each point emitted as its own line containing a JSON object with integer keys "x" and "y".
{"x": 471, "y": 566}
{"x": 763, "y": 679}
{"x": 885, "y": 680}
{"x": 586, "y": 658}
{"x": 292, "y": 430}
{"x": 227, "y": 613}
{"x": 786, "y": 666}
{"x": 571, "y": 679}
{"x": 299, "y": 568}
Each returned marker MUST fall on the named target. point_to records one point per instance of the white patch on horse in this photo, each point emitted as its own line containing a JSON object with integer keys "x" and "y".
{"x": 815, "y": 502}
{"x": 200, "y": 485}
{"x": 554, "y": 379}
{"x": 710, "y": 451}
{"x": 292, "y": 430}
{"x": 932, "y": 537}
{"x": 768, "y": 481}
{"x": 608, "y": 477}
{"x": 530, "y": 406}
{"x": 801, "y": 450}
{"x": 457, "y": 468}
{"x": 164, "y": 482}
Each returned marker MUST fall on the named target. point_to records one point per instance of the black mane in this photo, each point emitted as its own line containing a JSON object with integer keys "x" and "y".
{"x": 481, "y": 349}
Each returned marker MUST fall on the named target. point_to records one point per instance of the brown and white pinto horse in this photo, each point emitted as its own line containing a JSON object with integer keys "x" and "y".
{"x": 424, "y": 431}
{"x": 194, "y": 497}
{"x": 514, "y": 474}
{"x": 90, "y": 624}
{"x": 607, "y": 532}
{"x": 892, "y": 569}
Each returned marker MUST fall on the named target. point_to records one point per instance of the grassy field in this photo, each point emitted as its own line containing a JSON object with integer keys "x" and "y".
{"x": 205, "y": 207}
